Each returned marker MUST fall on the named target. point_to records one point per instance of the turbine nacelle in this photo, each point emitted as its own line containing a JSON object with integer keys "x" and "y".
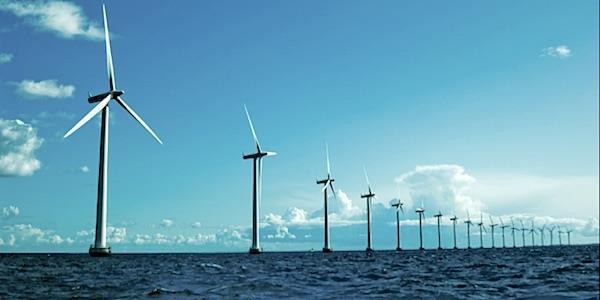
{"x": 258, "y": 155}
{"x": 100, "y": 97}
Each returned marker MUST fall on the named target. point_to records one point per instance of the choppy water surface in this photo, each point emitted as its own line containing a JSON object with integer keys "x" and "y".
{"x": 570, "y": 272}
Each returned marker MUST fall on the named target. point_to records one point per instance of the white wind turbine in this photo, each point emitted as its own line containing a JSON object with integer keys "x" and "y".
{"x": 100, "y": 248}
{"x": 368, "y": 196}
{"x": 399, "y": 209}
{"x": 327, "y": 183}
{"x": 256, "y": 184}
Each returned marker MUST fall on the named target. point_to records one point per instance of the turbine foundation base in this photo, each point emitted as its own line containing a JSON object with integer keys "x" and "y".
{"x": 327, "y": 250}
{"x": 99, "y": 252}
{"x": 369, "y": 250}
{"x": 254, "y": 251}
{"x": 398, "y": 249}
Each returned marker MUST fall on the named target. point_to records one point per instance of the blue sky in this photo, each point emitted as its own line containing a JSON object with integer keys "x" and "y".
{"x": 481, "y": 106}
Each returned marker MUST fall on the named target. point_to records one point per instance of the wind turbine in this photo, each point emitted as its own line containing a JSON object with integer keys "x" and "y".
{"x": 399, "y": 208}
{"x": 542, "y": 229}
{"x": 327, "y": 183}
{"x": 256, "y": 184}
{"x": 551, "y": 230}
{"x": 453, "y": 219}
{"x": 513, "y": 228}
{"x": 439, "y": 217}
{"x": 569, "y": 236}
{"x": 502, "y": 226}
{"x": 481, "y": 230}
{"x": 100, "y": 248}
{"x": 492, "y": 225}
{"x": 533, "y": 233}
{"x": 523, "y": 230}
{"x": 560, "y": 232}
{"x": 421, "y": 212}
{"x": 469, "y": 224}
{"x": 368, "y": 196}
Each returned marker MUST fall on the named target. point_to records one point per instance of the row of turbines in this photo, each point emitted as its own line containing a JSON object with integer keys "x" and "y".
{"x": 100, "y": 247}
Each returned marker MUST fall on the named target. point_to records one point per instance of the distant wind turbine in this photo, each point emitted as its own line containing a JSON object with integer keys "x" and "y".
{"x": 439, "y": 217}
{"x": 542, "y": 229}
{"x": 569, "y": 236}
{"x": 523, "y": 230}
{"x": 421, "y": 212}
{"x": 453, "y": 219}
{"x": 256, "y": 184}
{"x": 492, "y": 225}
{"x": 533, "y": 233}
{"x": 481, "y": 230}
{"x": 560, "y": 232}
{"x": 399, "y": 208}
{"x": 469, "y": 224}
{"x": 368, "y": 196}
{"x": 513, "y": 228}
{"x": 327, "y": 183}
{"x": 100, "y": 248}
{"x": 503, "y": 226}
{"x": 551, "y": 231}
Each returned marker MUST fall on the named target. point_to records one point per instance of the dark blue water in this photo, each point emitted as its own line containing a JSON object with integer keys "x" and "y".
{"x": 560, "y": 272}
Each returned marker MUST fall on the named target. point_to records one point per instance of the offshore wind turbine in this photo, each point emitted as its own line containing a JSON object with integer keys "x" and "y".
{"x": 492, "y": 225}
{"x": 399, "y": 208}
{"x": 421, "y": 212}
{"x": 560, "y": 232}
{"x": 569, "y": 236}
{"x": 533, "y": 233}
{"x": 551, "y": 230}
{"x": 469, "y": 224}
{"x": 100, "y": 248}
{"x": 481, "y": 230}
{"x": 513, "y": 228}
{"x": 502, "y": 226}
{"x": 327, "y": 183}
{"x": 523, "y": 230}
{"x": 453, "y": 219}
{"x": 368, "y": 196}
{"x": 542, "y": 229}
{"x": 256, "y": 184}
{"x": 439, "y": 217}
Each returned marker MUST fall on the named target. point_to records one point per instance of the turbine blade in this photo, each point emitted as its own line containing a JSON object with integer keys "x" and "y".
{"x": 332, "y": 190}
{"x": 109, "y": 61}
{"x": 138, "y": 118}
{"x": 327, "y": 154}
{"x": 271, "y": 153}
{"x": 252, "y": 128}
{"x": 326, "y": 185}
{"x": 89, "y": 115}
{"x": 367, "y": 177}
{"x": 260, "y": 167}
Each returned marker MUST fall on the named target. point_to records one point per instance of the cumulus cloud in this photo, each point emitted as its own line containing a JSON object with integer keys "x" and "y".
{"x": 39, "y": 235}
{"x": 5, "y": 58}
{"x": 10, "y": 211}
{"x": 116, "y": 235}
{"x": 44, "y": 89}
{"x": 63, "y": 18}
{"x": 440, "y": 187}
{"x": 561, "y": 51}
{"x": 9, "y": 242}
{"x": 162, "y": 239}
{"x": 166, "y": 223}
{"x": 196, "y": 225}
{"x": 591, "y": 228}
{"x": 84, "y": 169}
{"x": 18, "y": 142}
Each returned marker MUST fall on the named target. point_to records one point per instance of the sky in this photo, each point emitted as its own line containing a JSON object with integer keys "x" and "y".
{"x": 490, "y": 108}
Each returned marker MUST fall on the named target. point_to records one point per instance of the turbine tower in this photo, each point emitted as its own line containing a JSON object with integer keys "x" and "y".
{"x": 560, "y": 232}
{"x": 100, "y": 248}
{"x": 421, "y": 212}
{"x": 399, "y": 208}
{"x": 368, "y": 196}
{"x": 327, "y": 183}
{"x": 256, "y": 184}
{"x": 453, "y": 219}
{"x": 492, "y": 225}
{"x": 569, "y": 236}
{"x": 523, "y": 230}
{"x": 542, "y": 229}
{"x": 503, "y": 227}
{"x": 439, "y": 217}
{"x": 481, "y": 230}
{"x": 469, "y": 224}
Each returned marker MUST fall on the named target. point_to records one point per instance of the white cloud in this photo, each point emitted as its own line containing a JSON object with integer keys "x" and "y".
{"x": 63, "y": 18}
{"x": 10, "y": 211}
{"x": 84, "y": 169}
{"x": 5, "y": 58}
{"x": 44, "y": 89}
{"x": 162, "y": 239}
{"x": 166, "y": 223}
{"x": 116, "y": 235}
{"x": 10, "y": 242}
{"x": 439, "y": 187}
{"x": 591, "y": 228}
{"x": 18, "y": 142}
{"x": 41, "y": 236}
{"x": 196, "y": 225}
{"x": 561, "y": 51}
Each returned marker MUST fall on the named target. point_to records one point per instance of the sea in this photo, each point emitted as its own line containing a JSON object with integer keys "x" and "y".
{"x": 557, "y": 272}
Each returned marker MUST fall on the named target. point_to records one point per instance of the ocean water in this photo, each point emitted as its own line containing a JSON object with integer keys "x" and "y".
{"x": 548, "y": 272}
